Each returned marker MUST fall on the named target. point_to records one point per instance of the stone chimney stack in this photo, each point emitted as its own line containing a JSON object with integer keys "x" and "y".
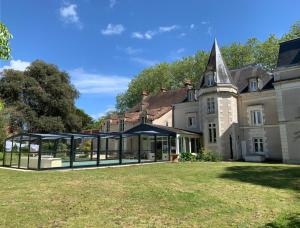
{"x": 188, "y": 84}
{"x": 143, "y": 103}
{"x": 144, "y": 95}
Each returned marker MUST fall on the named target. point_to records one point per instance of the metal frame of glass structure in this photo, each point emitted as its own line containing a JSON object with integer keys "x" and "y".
{"x": 37, "y": 151}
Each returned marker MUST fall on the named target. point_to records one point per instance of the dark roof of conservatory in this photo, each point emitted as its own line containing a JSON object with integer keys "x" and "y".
{"x": 152, "y": 129}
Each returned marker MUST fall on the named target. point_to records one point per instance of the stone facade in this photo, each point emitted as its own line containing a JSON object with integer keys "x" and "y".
{"x": 242, "y": 114}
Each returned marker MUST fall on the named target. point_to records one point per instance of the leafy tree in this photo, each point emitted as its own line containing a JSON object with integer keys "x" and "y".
{"x": 41, "y": 99}
{"x": 5, "y": 36}
{"x": 86, "y": 120}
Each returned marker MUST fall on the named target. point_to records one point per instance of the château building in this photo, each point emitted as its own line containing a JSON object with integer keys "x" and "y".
{"x": 243, "y": 114}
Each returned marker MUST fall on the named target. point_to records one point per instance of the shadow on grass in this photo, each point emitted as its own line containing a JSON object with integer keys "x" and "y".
{"x": 291, "y": 221}
{"x": 271, "y": 176}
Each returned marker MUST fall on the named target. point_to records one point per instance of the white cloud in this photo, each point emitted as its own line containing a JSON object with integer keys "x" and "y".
{"x": 16, "y": 65}
{"x": 138, "y": 35}
{"x": 148, "y": 35}
{"x": 192, "y": 26}
{"x": 109, "y": 108}
{"x": 204, "y": 22}
{"x": 144, "y": 62}
{"x": 68, "y": 14}
{"x": 113, "y": 29}
{"x": 112, "y": 3}
{"x": 168, "y": 28}
{"x": 92, "y": 83}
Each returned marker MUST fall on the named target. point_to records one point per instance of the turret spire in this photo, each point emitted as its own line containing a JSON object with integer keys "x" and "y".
{"x": 216, "y": 64}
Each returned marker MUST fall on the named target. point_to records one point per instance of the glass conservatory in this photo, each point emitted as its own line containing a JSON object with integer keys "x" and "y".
{"x": 37, "y": 151}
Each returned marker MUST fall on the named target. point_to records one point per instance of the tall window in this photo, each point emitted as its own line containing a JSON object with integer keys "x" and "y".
{"x": 191, "y": 121}
{"x": 258, "y": 145}
{"x": 190, "y": 95}
{"x": 210, "y": 105}
{"x": 256, "y": 117}
{"x": 108, "y": 126}
{"x": 253, "y": 85}
{"x": 212, "y": 132}
{"x": 122, "y": 125}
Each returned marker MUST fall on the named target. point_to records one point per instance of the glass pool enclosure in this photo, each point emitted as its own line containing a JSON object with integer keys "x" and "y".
{"x": 70, "y": 150}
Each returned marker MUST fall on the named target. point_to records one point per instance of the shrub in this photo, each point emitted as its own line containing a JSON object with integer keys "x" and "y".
{"x": 1, "y": 156}
{"x": 187, "y": 156}
{"x": 208, "y": 155}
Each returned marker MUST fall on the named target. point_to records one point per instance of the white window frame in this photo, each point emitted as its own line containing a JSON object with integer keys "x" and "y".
{"x": 253, "y": 85}
{"x": 212, "y": 133}
{"x": 258, "y": 145}
{"x": 211, "y": 105}
{"x": 193, "y": 125}
{"x": 256, "y": 117}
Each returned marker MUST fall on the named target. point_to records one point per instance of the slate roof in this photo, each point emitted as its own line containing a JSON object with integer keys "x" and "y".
{"x": 241, "y": 76}
{"x": 289, "y": 53}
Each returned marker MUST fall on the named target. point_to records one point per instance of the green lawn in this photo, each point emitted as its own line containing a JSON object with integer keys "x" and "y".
{"x": 183, "y": 194}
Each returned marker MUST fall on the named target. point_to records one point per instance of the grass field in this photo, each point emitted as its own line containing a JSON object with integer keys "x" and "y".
{"x": 156, "y": 195}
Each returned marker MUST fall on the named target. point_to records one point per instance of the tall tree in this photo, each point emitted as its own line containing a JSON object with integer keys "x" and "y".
{"x": 5, "y": 36}
{"x": 41, "y": 99}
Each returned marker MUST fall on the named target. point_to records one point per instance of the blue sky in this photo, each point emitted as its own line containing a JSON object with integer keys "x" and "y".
{"x": 105, "y": 43}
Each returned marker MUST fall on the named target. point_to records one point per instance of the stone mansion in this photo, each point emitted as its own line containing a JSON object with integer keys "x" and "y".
{"x": 243, "y": 114}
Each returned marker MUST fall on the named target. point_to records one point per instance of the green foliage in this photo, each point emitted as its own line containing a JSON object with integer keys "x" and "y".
{"x": 3, "y": 124}
{"x": 1, "y": 156}
{"x": 85, "y": 146}
{"x": 172, "y": 75}
{"x": 41, "y": 99}
{"x": 5, "y": 36}
{"x": 208, "y": 156}
{"x": 86, "y": 120}
{"x": 285, "y": 220}
{"x": 187, "y": 156}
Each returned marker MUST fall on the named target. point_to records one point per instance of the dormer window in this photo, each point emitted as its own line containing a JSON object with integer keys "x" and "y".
{"x": 211, "y": 79}
{"x": 190, "y": 95}
{"x": 253, "y": 85}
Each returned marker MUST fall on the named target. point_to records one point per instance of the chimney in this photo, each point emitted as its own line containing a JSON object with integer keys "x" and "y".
{"x": 188, "y": 84}
{"x": 163, "y": 89}
{"x": 143, "y": 103}
{"x": 144, "y": 95}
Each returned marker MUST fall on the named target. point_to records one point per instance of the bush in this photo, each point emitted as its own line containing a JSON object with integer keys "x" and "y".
{"x": 1, "y": 156}
{"x": 187, "y": 156}
{"x": 208, "y": 155}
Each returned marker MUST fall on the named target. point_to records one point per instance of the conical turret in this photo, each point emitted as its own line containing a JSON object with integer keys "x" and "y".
{"x": 216, "y": 71}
